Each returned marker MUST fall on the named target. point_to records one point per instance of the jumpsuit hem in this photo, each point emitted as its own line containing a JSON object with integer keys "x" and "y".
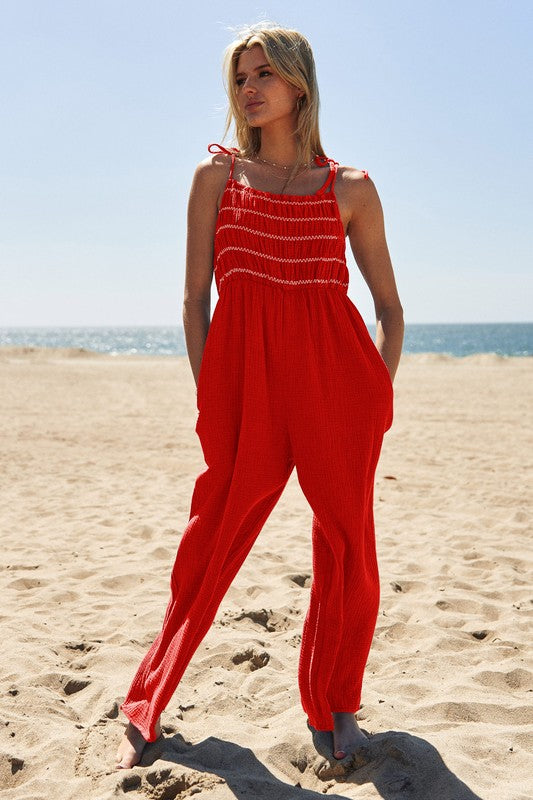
{"x": 146, "y": 731}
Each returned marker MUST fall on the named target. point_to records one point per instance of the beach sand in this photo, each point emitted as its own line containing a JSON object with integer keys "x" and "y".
{"x": 98, "y": 461}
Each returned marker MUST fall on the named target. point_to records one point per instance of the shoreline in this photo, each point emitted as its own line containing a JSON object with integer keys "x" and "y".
{"x": 39, "y": 352}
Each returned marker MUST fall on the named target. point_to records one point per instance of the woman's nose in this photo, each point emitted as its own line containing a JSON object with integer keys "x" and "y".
{"x": 248, "y": 86}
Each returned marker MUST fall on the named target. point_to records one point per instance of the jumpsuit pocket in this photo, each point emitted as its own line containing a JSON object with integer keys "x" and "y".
{"x": 381, "y": 365}
{"x": 368, "y": 344}
{"x": 203, "y": 364}
{"x": 387, "y": 388}
{"x": 385, "y": 370}
{"x": 198, "y": 385}
{"x": 200, "y": 382}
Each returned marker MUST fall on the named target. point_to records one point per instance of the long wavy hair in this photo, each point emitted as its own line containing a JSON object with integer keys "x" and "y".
{"x": 290, "y": 54}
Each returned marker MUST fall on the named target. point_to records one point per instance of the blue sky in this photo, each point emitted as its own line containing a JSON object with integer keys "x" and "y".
{"x": 108, "y": 107}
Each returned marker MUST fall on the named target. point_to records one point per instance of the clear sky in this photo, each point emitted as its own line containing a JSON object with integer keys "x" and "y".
{"x": 108, "y": 105}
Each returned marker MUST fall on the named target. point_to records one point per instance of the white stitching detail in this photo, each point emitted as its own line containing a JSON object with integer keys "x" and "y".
{"x": 313, "y": 198}
{"x": 277, "y": 258}
{"x": 276, "y": 236}
{"x": 281, "y": 280}
{"x": 278, "y": 216}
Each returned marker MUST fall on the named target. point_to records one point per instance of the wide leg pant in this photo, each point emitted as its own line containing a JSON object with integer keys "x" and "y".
{"x": 303, "y": 386}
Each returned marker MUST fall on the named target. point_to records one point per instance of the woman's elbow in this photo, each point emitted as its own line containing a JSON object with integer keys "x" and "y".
{"x": 392, "y": 309}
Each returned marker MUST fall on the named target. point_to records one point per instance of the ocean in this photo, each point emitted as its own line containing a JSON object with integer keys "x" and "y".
{"x": 505, "y": 339}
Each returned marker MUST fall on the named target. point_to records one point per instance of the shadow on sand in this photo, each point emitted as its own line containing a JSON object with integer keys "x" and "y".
{"x": 398, "y": 764}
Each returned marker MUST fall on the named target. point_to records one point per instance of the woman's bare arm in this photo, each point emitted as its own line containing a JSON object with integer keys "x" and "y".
{"x": 201, "y": 221}
{"x": 366, "y": 232}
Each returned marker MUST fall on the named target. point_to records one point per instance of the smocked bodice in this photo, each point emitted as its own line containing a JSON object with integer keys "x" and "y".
{"x": 288, "y": 240}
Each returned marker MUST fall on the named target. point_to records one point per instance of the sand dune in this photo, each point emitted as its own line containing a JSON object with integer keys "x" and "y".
{"x": 98, "y": 462}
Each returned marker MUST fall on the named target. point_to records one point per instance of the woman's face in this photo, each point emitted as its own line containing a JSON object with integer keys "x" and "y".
{"x": 262, "y": 94}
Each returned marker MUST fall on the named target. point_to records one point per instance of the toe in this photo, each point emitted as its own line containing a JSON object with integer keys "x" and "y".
{"x": 339, "y": 754}
{"x": 126, "y": 764}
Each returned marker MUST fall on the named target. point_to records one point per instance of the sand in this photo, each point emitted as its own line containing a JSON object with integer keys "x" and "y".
{"x": 98, "y": 462}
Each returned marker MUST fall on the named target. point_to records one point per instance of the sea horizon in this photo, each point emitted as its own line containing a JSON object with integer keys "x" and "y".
{"x": 454, "y": 339}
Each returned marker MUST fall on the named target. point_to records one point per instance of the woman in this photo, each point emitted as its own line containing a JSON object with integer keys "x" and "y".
{"x": 287, "y": 377}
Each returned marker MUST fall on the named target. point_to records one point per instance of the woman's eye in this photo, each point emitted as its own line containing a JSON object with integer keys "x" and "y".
{"x": 240, "y": 81}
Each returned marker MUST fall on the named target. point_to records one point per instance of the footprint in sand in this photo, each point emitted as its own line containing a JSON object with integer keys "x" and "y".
{"x": 123, "y": 583}
{"x": 477, "y": 712}
{"x": 251, "y": 656}
{"x": 269, "y": 620}
{"x": 82, "y": 574}
{"x": 12, "y": 772}
{"x": 166, "y": 783}
{"x": 129, "y": 783}
{"x": 67, "y": 684}
{"x": 162, "y": 553}
{"x": 84, "y": 647}
{"x": 302, "y": 579}
{"x": 406, "y": 586}
{"x": 515, "y": 679}
{"x": 75, "y": 685}
{"x": 21, "y": 584}
{"x": 146, "y": 532}
{"x": 295, "y": 641}
{"x": 72, "y": 655}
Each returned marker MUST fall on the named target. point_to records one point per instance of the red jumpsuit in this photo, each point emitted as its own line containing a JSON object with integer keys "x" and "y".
{"x": 290, "y": 377}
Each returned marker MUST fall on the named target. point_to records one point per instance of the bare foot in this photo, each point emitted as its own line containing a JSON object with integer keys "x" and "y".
{"x": 131, "y": 747}
{"x": 348, "y": 738}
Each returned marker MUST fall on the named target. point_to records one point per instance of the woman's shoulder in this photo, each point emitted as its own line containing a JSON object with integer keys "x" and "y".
{"x": 212, "y": 170}
{"x": 214, "y": 164}
{"x": 354, "y": 183}
{"x": 352, "y": 175}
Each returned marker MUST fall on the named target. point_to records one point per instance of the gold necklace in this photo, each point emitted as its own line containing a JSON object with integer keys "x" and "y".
{"x": 303, "y": 169}
{"x": 280, "y": 166}
{"x": 289, "y": 179}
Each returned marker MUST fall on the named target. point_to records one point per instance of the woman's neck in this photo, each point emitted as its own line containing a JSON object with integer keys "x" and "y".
{"x": 278, "y": 147}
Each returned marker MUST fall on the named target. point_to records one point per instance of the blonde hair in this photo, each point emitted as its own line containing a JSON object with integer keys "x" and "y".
{"x": 290, "y": 54}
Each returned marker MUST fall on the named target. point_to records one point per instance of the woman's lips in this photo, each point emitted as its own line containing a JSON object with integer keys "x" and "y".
{"x": 253, "y": 106}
